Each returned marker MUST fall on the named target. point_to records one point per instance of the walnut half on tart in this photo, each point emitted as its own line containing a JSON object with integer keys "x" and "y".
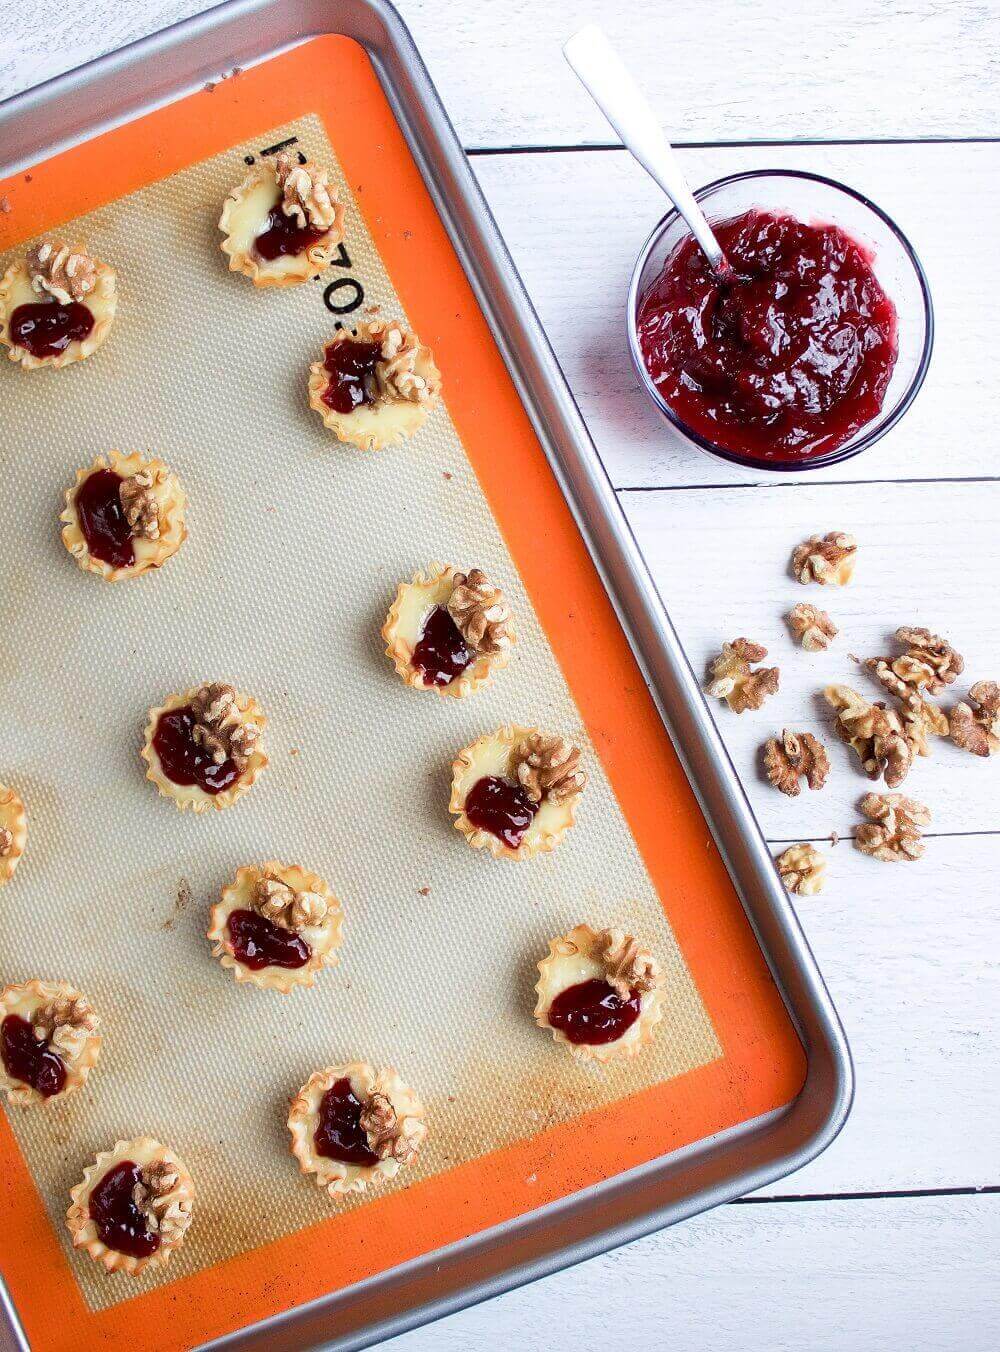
{"x": 202, "y": 748}
{"x": 133, "y": 1207}
{"x": 13, "y": 832}
{"x": 276, "y": 925}
{"x": 352, "y": 1125}
{"x": 57, "y": 305}
{"x": 375, "y": 384}
{"x": 599, "y": 992}
{"x": 49, "y": 1041}
{"x": 124, "y": 516}
{"x": 515, "y": 791}
{"x": 448, "y": 631}
{"x": 283, "y": 223}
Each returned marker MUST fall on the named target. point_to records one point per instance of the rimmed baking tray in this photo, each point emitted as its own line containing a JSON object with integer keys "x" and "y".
{"x": 779, "y": 1088}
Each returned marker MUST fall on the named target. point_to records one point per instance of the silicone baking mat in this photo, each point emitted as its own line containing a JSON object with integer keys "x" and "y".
{"x": 296, "y": 545}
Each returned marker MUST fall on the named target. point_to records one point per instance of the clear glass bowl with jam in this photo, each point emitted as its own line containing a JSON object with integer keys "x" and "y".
{"x": 811, "y": 352}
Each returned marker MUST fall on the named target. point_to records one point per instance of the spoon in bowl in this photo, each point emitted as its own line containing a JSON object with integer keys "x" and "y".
{"x": 600, "y": 70}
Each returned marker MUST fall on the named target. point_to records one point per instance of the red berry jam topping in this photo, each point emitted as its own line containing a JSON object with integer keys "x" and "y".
{"x": 351, "y": 366}
{"x": 339, "y": 1135}
{"x": 120, "y": 1223}
{"x": 29, "y": 1060}
{"x": 105, "y": 529}
{"x": 786, "y": 362}
{"x": 183, "y": 760}
{"x": 441, "y": 653}
{"x": 593, "y": 1012}
{"x": 500, "y": 807}
{"x": 258, "y": 942}
{"x": 47, "y": 328}
{"x": 282, "y": 235}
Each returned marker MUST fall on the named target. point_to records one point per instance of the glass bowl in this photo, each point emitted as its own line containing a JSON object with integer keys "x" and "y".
{"x": 813, "y": 199}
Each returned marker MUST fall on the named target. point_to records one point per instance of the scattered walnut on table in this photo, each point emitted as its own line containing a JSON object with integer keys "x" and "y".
{"x": 306, "y": 194}
{"x": 894, "y": 828}
{"x": 57, "y": 270}
{"x": 827, "y": 559}
{"x": 732, "y": 679}
{"x": 479, "y": 610}
{"x": 811, "y": 626}
{"x": 928, "y": 664}
{"x": 627, "y": 966}
{"x": 977, "y": 729}
{"x": 802, "y": 869}
{"x": 874, "y": 731}
{"x": 793, "y": 756}
{"x": 549, "y": 767}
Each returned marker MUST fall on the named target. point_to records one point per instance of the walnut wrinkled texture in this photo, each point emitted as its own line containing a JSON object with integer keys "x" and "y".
{"x": 387, "y": 1137}
{"x": 6, "y": 842}
{"x": 802, "y": 869}
{"x": 874, "y": 731}
{"x": 827, "y": 559}
{"x": 142, "y": 511}
{"x": 732, "y": 679}
{"x": 65, "y": 1023}
{"x": 306, "y": 194}
{"x": 219, "y": 728}
{"x": 165, "y": 1214}
{"x": 627, "y": 966}
{"x": 479, "y": 610}
{"x": 284, "y": 906}
{"x": 63, "y": 273}
{"x": 893, "y": 830}
{"x": 811, "y": 626}
{"x": 794, "y": 756}
{"x": 977, "y": 729}
{"x": 928, "y": 664}
{"x": 921, "y": 720}
{"x": 396, "y": 372}
{"x": 549, "y": 768}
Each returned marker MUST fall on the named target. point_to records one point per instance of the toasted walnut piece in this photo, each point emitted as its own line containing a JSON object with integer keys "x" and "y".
{"x": 65, "y": 1023}
{"x": 811, "y": 626}
{"x": 6, "y": 842}
{"x": 165, "y": 1215}
{"x": 827, "y": 559}
{"x": 627, "y": 966}
{"x": 874, "y": 731}
{"x": 219, "y": 728}
{"x": 930, "y": 662}
{"x": 306, "y": 194}
{"x": 920, "y": 719}
{"x": 142, "y": 511}
{"x": 793, "y": 756}
{"x": 893, "y": 830}
{"x": 802, "y": 869}
{"x": 733, "y": 680}
{"x": 978, "y": 729}
{"x": 549, "y": 767}
{"x": 479, "y": 610}
{"x": 386, "y": 1136}
{"x": 293, "y": 910}
{"x": 396, "y": 373}
{"x": 63, "y": 273}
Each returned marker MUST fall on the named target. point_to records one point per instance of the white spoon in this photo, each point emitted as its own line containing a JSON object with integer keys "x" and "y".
{"x": 600, "y": 70}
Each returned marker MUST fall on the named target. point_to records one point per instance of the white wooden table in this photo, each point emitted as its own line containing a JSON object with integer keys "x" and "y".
{"x": 891, "y": 1238}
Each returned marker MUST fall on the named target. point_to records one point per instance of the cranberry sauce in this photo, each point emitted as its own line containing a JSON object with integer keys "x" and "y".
{"x": 258, "y": 942}
{"x": 786, "y": 362}
{"x": 441, "y": 653}
{"x": 339, "y": 1135}
{"x": 282, "y": 235}
{"x": 47, "y": 328}
{"x": 351, "y": 366}
{"x": 105, "y": 529}
{"x": 500, "y": 807}
{"x": 183, "y": 760}
{"x": 120, "y": 1223}
{"x": 29, "y": 1060}
{"x": 593, "y": 1012}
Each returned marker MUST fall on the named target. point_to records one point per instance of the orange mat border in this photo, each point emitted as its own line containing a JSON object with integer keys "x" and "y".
{"x": 762, "y": 1066}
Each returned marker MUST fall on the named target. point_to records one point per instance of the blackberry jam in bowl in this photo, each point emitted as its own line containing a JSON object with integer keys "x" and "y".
{"x": 810, "y": 351}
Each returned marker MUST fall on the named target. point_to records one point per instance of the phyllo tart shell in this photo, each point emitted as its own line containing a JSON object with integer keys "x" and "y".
{"x": 16, "y": 289}
{"x": 245, "y": 212}
{"x": 194, "y": 796}
{"x": 68, "y": 1025}
{"x": 13, "y": 832}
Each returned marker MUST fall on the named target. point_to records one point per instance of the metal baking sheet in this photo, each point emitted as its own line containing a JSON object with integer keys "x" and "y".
{"x": 49, "y": 119}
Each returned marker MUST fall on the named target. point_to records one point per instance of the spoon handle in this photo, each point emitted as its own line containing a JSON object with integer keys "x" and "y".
{"x": 600, "y": 70}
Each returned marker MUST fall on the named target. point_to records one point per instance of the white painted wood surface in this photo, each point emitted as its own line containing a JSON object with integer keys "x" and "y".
{"x": 911, "y": 953}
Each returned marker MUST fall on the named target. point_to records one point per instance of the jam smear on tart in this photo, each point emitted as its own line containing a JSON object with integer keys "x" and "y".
{"x": 121, "y": 1225}
{"x": 102, "y": 520}
{"x": 183, "y": 760}
{"x": 501, "y": 807}
{"x": 47, "y": 328}
{"x": 29, "y": 1060}
{"x": 258, "y": 942}
{"x": 441, "y": 654}
{"x": 282, "y": 235}
{"x": 339, "y": 1135}
{"x": 350, "y": 364}
{"x": 592, "y": 1012}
